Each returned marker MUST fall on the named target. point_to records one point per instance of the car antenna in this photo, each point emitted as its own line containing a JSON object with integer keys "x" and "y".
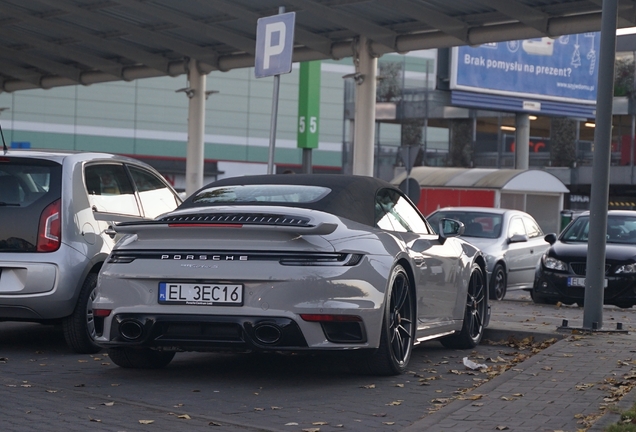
{"x": 4, "y": 144}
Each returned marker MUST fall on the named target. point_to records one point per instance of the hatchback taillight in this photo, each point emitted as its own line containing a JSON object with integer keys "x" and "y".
{"x": 50, "y": 228}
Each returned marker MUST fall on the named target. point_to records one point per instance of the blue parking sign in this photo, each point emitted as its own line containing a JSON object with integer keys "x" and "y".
{"x": 274, "y": 45}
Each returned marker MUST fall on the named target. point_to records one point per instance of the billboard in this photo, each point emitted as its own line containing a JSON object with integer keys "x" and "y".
{"x": 562, "y": 69}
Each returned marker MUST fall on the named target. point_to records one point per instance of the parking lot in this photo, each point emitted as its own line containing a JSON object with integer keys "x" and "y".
{"x": 46, "y": 387}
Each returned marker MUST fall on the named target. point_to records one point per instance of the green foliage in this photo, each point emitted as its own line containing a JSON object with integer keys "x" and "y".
{"x": 389, "y": 88}
{"x": 562, "y": 142}
{"x": 461, "y": 144}
{"x": 627, "y": 422}
{"x": 624, "y": 78}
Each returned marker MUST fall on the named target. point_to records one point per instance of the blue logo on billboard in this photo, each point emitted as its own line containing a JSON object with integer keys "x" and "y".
{"x": 563, "y": 69}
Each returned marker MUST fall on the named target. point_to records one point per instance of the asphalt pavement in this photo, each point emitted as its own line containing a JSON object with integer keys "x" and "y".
{"x": 538, "y": 376}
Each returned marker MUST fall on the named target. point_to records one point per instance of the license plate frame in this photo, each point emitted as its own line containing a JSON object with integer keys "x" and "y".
{"x": 200, "y": 293}
{"x": 580, "y": 282}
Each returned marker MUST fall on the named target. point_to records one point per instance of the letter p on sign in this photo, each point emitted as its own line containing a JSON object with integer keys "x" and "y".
{"x": 274, "y": 45}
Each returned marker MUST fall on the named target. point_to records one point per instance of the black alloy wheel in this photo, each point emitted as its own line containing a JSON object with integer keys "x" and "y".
{"x": 474, "y": 314}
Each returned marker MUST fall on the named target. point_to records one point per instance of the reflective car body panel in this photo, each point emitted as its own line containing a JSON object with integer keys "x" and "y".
{"x": 510, "y": 238}
{"x": 560, "y": 276}
{"x": 316, "y": 262}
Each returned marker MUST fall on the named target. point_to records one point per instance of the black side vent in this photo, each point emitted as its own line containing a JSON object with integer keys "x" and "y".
{"x": 239, "y": 218}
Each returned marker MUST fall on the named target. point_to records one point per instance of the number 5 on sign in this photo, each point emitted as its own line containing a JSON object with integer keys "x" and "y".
{"x": 308, "y": 104}
{"x": 313, "y": 125}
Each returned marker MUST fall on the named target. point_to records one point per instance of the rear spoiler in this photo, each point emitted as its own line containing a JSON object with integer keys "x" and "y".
{"x": 138, "y": 227}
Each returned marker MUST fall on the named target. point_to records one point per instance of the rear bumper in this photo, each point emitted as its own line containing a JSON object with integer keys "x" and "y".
{"x": 181, "y": 332}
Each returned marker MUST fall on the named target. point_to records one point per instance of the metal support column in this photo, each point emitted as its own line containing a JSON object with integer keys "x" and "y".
{"x": 196, "y": 128}
{"x": 364, "y": 137}
{"x": 522, "y": 141}
{"x": 595, "y": 275}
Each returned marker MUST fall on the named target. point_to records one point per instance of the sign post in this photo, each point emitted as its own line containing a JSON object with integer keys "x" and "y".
{"x": 274, "y": 50}
{"x": 308, "y": 110}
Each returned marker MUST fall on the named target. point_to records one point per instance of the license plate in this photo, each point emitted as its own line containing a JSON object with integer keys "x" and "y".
{"x": 580, "y": 282}
{"x": 201, "y": 294}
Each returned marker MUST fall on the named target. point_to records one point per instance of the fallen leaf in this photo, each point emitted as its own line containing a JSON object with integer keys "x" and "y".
{"x": 108, "y": 403}
{"x": 400, "y": 385}
{"x": 214, "y": 424}
{"x": 395, "y": 403}
{"x": 259, "y": 409}
{"x": 185, "y": 417}
{"x": 146, "y": 422}
{"x": 291, "y": 424}
{"x": 51, "y": 391}
{"x": 388, "y": 423}
{"x": 506, "y": 398}
{"x": 369, "y": 386}
{"x": 311, "y": 430}
{"x": 95, "y": 420}
{"x": 26, "y": 385}
{"x": 276, "y": 408}
{"x": 82, "y": 361}
{"x": 502, "y": 428}
{"x": 320, "y": 423}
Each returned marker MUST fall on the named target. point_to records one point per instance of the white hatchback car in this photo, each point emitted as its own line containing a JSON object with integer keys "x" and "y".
{"x": 56, "y": 215}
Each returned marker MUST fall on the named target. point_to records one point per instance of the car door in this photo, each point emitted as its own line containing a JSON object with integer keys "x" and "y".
{"x": 436, "y": 266}
{"x": 155, "y": 195}
{"x": 520, "y": 254}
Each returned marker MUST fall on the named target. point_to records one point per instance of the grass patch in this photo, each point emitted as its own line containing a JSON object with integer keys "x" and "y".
{"x": 627, "y": 423}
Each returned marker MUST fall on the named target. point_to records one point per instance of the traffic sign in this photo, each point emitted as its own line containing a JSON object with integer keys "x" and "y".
{"x": 274, "y": 45}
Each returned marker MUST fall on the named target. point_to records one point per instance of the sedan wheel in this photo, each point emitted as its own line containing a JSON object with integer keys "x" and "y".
{"x": 398, "y": 328}
{"x": 499, "y": 282}
{"x": 474, "y": 314}
{"x": 79, "y": 327}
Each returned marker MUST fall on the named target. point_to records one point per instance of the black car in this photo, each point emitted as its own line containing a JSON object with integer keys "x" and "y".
{"x": 560, "y": 275}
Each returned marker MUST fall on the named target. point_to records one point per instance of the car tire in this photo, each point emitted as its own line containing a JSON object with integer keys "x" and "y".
{"x": 475, "y": 313}
{"x": 79, "y": 327}
{"x": 398, "y": 328}
{"x": 140, "y": 358}
{"x": 498, "y": 283}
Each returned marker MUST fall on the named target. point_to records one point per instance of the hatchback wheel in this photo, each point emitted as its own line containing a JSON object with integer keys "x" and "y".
{"x": 79, "y": 327}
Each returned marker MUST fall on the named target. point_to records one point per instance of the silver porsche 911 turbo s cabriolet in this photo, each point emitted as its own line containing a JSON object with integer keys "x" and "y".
{"x": 297, "y": 263}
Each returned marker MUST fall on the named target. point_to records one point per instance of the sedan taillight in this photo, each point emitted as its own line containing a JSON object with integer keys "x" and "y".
{"x": 50, "y": 228}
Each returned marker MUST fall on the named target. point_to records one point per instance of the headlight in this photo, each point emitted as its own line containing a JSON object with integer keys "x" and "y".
{"x": 627, "y": 268}
{"x": 554, "y": 264}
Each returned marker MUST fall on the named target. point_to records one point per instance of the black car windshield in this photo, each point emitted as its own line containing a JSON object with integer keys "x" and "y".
{"x": 620, "y": 229}
{"x": 259, "y": 193}
{"x": 477, "y": 224}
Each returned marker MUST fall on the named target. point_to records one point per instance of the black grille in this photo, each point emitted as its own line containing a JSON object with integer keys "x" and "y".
{"x": 580, "y": 268}
{"x": 239, "y": 218}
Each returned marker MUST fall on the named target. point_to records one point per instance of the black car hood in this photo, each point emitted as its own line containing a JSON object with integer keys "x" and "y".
{"x": 613, "y": 251}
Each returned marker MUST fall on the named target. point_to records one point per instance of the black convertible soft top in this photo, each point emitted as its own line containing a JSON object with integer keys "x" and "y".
{"x": 351, "y": 197}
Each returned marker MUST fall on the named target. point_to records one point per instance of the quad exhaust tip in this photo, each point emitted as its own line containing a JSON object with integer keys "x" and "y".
{"x": 267, "y": 334}
{"x": 131, "y": 330}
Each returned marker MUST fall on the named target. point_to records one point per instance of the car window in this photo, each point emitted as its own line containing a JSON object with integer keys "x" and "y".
{"x": 477, "y": 224}
{"x": 109, "y": 189}
{"x": 396, "y": 213}
{"x": 516, "y": 227}
{"x": 532, "y": 228}
{"x": 155, "y": 195}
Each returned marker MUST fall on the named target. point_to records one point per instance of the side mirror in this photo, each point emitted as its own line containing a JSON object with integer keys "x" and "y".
{"x": 518, "y": 238}
{"x": 550, "y": 238}
{"x": 450, "y": 228}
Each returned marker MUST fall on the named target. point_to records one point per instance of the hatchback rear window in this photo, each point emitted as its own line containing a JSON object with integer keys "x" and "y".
{"x": 27, "y": 186}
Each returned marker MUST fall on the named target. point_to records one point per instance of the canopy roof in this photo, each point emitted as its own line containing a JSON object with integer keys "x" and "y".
{"x": 49, "y": 43}
{"x": 507, "y": 180}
